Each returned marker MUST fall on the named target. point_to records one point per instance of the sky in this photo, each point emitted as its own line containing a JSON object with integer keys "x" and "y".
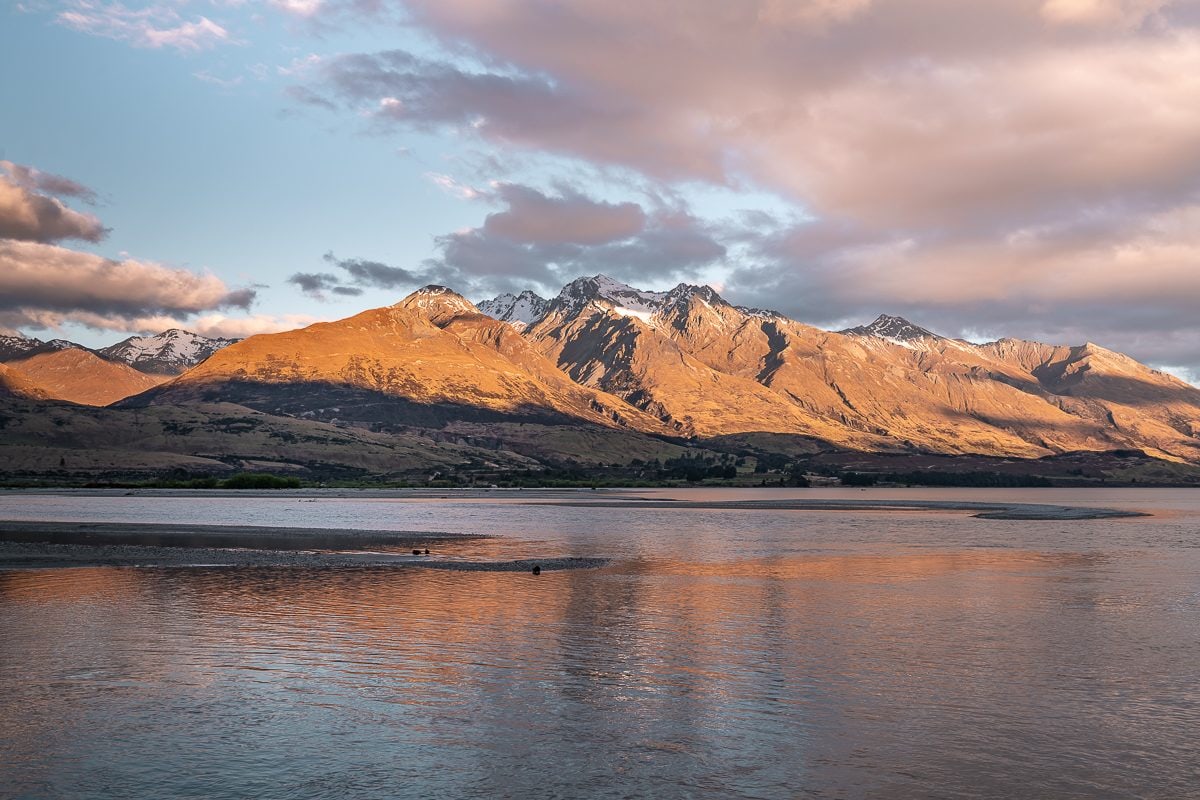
{"x": 1025, "y": 168}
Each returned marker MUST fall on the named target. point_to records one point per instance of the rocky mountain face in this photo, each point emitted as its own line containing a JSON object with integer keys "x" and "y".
{"x": 603, "y": 361}
{"x": 100, "y": 377}
{"x": 80, "y": 376}
{"x": 896, "y": 330}
{"x": 519, "y": 310}
{"x": 171, "y": 352}
{"x": 707, "y": 368}
{"x": 13, "y": 347}
{"x": 426, "y": 361}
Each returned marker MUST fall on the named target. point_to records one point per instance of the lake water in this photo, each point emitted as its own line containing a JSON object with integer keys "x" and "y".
{"x": 768, "y": 654}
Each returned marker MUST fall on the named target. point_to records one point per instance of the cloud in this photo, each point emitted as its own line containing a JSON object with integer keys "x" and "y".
{"x": 569, "y": 218}
{"x": 316, "y": 284}
{"x": 35, "y": 180}
{"x": 153, "y": 27}
{"x": 1019, "y": 166}
{"x": 979, "y": 113}
{"x": 396, "y": 88}
{"x": 376, "y": 274}
{"x": 221, "y": 325}
{"x": 28, "y": 215}
{"x": 452, "y": 186}
{"x": 549, "y": 239}
{"x": 1127, "y": 283}
{"x": 45, "y": 285}
{"x": 359, "y": 274}
{"x": 301, "y": 8}
{"x": 224, "y": 83}
{"x": 1125, "y": 13}
{"x": 214, "y": 325}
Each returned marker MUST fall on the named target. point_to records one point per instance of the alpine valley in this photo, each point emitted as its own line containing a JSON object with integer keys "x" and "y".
{"x": 603, "y": 382}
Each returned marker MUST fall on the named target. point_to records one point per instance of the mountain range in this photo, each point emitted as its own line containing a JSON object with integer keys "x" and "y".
{"x": 604, "y": 371}
{"x": 68, "y": 371}
{"x": 707, "y": 368}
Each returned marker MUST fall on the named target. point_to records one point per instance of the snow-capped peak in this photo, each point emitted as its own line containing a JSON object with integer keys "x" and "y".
{"x": 896, "y": 330}
{"x": 519, "y": 310}
{"x": 168, "y": 353}
{"x": 611, "y": 294}
{"x": 685, "y": 292}
{"x": 439, "y": 300}
{"x": 18, "y": 346}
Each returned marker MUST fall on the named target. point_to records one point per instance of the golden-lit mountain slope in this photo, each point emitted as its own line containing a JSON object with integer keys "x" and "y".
{"x": 687, "y": 363}
{"x": 624, "y": 354}
{"x": 81, "y": 376}
{"x": 14, "y": 384}
{"x": 687, "y": 355}
{"x": 426, "y": 360}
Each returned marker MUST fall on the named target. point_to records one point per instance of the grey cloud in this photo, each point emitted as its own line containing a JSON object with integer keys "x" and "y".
{"x": 928, "y": 112}
{"x": 1023, "y": 167}
{"x": 374, "y": 273}
{"x": 316, "y": 284}
{"x": 549, "y": 240}
{"x": 570, "y": 218}
{"x": 400, "y": 89}
{"x": 28, "y": 215}
{"x": 363, "y": 273}
{"x": 1128, "y": 283}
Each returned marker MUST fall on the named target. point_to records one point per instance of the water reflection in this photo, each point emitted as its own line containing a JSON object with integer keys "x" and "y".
{"x": 775, "y": 669}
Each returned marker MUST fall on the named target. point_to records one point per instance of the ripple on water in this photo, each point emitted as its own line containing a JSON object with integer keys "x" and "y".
{"x": 765, "y": 655}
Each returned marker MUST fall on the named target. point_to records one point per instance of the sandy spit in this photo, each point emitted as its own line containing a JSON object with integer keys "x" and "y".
{"x": 32, "y": 545}
{"x": 981, "y": 510}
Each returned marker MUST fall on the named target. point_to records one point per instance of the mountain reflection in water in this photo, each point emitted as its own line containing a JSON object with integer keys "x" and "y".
{"x": 729, "y": 656}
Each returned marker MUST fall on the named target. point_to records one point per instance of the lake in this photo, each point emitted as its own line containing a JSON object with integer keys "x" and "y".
{"x": 722, "y": 653}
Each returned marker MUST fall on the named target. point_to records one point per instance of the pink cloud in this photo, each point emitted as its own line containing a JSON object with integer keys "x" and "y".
{"x": 998, "y": 163}
{"x": 28, "y": 215}
{"x": 154, "y": 27}
{"x": 41, "y": 279}
{"x": 35, "y": 179}
{"x": 889, "y": 113}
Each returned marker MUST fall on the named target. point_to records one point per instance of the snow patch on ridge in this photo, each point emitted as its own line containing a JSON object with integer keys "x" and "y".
{"x": 519, "y": 310}
{"x": 897, "y": 331}
{"x": 169, "y": 352}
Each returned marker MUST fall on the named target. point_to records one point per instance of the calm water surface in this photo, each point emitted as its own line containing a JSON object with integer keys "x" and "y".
{"x": 726, "y": 654}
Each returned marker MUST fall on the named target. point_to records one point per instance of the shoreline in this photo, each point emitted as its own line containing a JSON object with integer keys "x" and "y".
{"x": 528, "y": 493}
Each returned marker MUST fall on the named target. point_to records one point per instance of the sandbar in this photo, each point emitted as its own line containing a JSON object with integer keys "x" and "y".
{"x": 33, "y": 545}
{"x": 981, "y": 510}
